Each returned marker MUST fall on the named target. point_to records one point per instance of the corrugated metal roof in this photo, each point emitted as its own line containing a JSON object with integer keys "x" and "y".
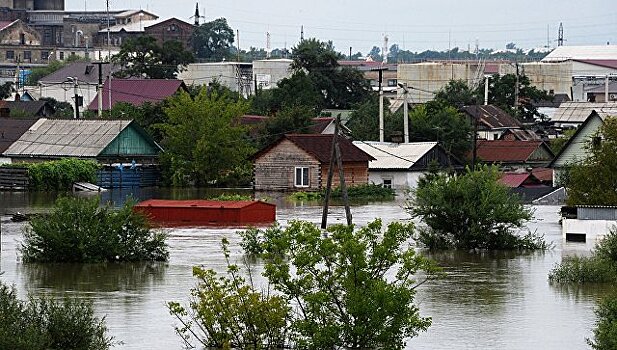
{"x": 492, "y": 117}
{"x": 507, "y": 151}
{"x": 137, "y": 91}
{"x": 67, "y": 138}
{"x": 578, "y": 112}
{"x": 133, "y": 27}
{"x": 394, "y": 155}
{"x": 77, "y": 70}
{"x": 596, "y": 52}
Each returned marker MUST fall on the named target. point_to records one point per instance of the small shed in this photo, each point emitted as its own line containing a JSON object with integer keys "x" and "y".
{"x": 207, "y": 212}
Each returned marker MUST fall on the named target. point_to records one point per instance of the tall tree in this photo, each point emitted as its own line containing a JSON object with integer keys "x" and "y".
{"x": 143, "y": 57}
{"x": 502, "y": 93}
{"x": 204, "y": 143}
{"x": 457, "y": 93}
{"x": 212, "y": 41}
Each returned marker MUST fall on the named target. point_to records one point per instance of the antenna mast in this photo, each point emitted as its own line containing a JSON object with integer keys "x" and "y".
{"x": 560, "y": 37}
{"x": 268, "y": 45}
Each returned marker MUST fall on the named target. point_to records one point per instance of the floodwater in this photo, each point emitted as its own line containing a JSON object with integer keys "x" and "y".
{"x": 486, "y": 301}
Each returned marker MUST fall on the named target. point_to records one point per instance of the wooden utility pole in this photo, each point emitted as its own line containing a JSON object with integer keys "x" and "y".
{"x": 335, "y": 154}
{"x": 99, "y": 87}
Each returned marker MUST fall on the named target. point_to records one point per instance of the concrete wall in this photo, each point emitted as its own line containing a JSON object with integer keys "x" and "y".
{"x": 65, "y": 93}
{"x": 269, "y": 72}
{"x": 401, "y": 180}
{"x": 555, "y": 77}
{"x": 223, "y": 72}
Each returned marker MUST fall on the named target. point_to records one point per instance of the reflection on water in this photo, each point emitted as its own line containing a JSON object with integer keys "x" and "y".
{"x": 88, "y": 278}
{"x": 487, "y": 301}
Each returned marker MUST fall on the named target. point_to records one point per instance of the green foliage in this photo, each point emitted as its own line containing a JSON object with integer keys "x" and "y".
{"x": 438, "y": 121}
{"x": 364, "y": 122}
{"x": 80, "y": 230}
{"x": 40, "y": 72}
{"x": 600, "y": 267}
{"x": 58, "y": 175}
{"x": 204, "y": 143}
{"x": 6, "y": 90}
{"x": 457, "y": 94}
{"x": 62, "y": 110}
{"x": 605, "y": 333}
{"x": 558, "y": 143}
{"x": 212, "y": 41}
{"x": 148, "y": 115}
{"x": 471, "y": 211}
{"x": 353, "y": 288}
{"x": 226, "y": 312}
{"x": 143, "y": 57}
{"x": 367, "y": 191}
{"x": 231, "y": 197}
{"x": 502, "y": 94}
{"x": 49, "y": 324}
{"x": 592, "y": 181}
{"x": 296, "y": 119}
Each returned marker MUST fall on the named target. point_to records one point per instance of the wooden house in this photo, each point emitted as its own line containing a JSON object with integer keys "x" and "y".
{"x": 300, "y": 162}
{"x": 400, "y": 165}
{"x": 514, "y": 154}
{"x": 492, "y": 121}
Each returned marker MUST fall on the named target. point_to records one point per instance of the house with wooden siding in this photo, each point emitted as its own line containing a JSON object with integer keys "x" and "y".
{"x": 300, "y": 162}
{"x": 575, "y": 151}
{"x": 128, "y": 155}
{"x": 400, "y": 165}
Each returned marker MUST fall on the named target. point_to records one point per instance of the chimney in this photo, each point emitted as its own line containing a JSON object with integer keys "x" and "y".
{"x": 396, "y": 137}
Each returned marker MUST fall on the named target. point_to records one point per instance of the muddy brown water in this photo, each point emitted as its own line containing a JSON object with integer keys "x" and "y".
{"x": 487, "y": 301}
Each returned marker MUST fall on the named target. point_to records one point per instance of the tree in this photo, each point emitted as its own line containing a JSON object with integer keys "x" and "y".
{"x": 61, "y": 109}
{"x": 470, "y": 211}
{"x": 48, "y": 323}
{"x": 605, "y": 333}
{"x": 6, "y": 90}
{"x": 592, "y": 182}
{"x": 204, "y": 143}
{"x": 502, "y": 94}
{"x": 437, "y": 121}
{"x": 142, "y": 57}
{"x": 150, "y": 116}
{"x": 375, "y": 54}
{"x": 364, "y": 120}
{"x": 457, "y": 94}
{"x": 213, "y": 40}
{"x": 296, "y": 119}
{"x": 353, "y": 287}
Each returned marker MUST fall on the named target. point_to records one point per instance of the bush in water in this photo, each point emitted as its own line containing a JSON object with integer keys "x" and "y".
{"x": 49, "y": 324}
{"x": 600, "y": 267}
{"x": 605, "y": 333}
{"x": 80, "y": 230}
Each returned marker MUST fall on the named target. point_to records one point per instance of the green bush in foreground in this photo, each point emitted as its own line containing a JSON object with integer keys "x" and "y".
{"x": 79, "y": 230}
{"x": 49, "y": 324}
{"x": 605, "y": 333}
{"x": 600, "y": 267}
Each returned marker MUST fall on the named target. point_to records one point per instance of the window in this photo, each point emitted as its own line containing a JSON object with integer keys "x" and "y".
{"x": 392, "y": 82}
{"x": 22, "y": 38}
{"x": 61, "y": 56}
{"x": 302, "y": 177}
{"x": 44, "y": 55}
{"x": 387, "y": 183}
{"x": 27, "y": 55}
{"x": 10, "y": 55}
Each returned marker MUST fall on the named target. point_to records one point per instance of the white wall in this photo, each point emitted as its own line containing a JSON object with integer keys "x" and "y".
{"x": 401, "y": 180}
{"x": 65, "y": 93}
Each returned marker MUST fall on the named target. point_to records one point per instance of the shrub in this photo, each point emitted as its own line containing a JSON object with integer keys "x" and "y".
{"x": 79, "y": 230}
{"x": 226, "y": 312}
{"x": 49, "y": 324}
{"x": 59, "y": 175}
{"x": 600, "y": 267}
{"x": 605, "y": 333}
{"x": 231, "y": 197}
{"x": 368, "y": 191}
{"x": 471, "y": 211}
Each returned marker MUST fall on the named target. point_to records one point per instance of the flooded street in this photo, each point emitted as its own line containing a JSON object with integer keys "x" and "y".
{"x": 487, "y": 301}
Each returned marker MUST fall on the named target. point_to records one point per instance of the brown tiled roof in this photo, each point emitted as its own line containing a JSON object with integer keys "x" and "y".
{"x": 492, "y": 117}
{"x": 320, "y": 147}
{"x": 12, "y": 129}
{"x": 506, "y": 151}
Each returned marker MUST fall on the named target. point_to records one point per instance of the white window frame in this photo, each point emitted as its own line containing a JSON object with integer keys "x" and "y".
{"x": 304, "y": 181}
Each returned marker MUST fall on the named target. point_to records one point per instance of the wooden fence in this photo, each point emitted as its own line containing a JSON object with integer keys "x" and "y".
{"x": 14, "y": 178}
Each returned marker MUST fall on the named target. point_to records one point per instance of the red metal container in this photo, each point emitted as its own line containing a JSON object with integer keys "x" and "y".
{"x": 207, "y": 213}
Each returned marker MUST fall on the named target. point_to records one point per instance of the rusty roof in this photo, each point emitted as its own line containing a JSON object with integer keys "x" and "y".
{"x": 137, "y": 91}
{"x": 492, "y": 117}
{"x": 507, "y": 151}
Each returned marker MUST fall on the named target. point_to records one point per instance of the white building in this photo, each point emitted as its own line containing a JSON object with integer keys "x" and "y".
{"x": 237, "y": 76}
{"x": 400, "y": 165}
{"x": 267, "y": 73}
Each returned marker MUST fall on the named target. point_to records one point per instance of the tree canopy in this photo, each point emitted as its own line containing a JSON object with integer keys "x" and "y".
{"x": 204, "y": 143}
{"x": 143, "y": 57}
{"x": 502, "y": 94}
{"x": 212, "y": 41}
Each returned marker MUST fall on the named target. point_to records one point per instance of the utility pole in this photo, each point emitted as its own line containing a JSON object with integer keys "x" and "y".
{"x": 238, "y": 37}
{"x": 335, "y": 155}
{"x": 302, "y": 33}
{"x": 486, "y": 90}
{"x": 606, "y": 89}
{"x": 381, "y": 122}
{"x": 99, "y": 87}
{"x": 405, "y": 113}
{"x": 474, "y": 153}
{"x": 17, "y": 73}
{"x": 560, "y": 35}
{"x": 341, "y": 173}
{"x": 76, "y": 96}
{"x": 350, "y": 53}
{"x": 516, "y": 89}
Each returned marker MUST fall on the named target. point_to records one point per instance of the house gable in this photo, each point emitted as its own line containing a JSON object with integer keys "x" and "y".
{"x": 574, "y": 150}
{"x": 131, "y": 142}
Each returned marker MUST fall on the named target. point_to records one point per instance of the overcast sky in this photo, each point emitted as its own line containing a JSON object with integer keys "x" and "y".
{"x": 413, "y": 25}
